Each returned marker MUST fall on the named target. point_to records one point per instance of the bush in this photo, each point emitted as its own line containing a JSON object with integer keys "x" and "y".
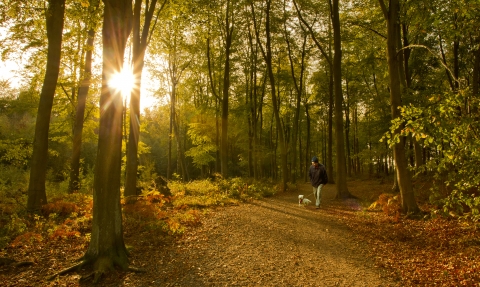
{"x": 14, "y": 227}
{"x": 452, "y": 138}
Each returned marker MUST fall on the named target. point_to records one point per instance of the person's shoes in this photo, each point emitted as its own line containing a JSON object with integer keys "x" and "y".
{"x": 317, "y": 207}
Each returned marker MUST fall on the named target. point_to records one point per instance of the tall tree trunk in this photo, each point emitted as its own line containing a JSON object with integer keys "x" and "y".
{"x": 307, "y": 145}
{"x": 217, "y": 99}
{"x": 409, "y": 204}
{"x": 74, "y": 183}
{"x": 328, "y": 58}
{"x": 107, "y": 248}
{"x": 252, "y": 100}
{"x": 226, "y": 86}
{"x": 408, "y": 78}
{"x": 331, "y": 104}
{"x": 36, "y": 187}
{"x": 267, "y": 55}
{"x": 139, "y": 45}
{"x": 347, "y": 133}
{"x": 341, "y": 174}
{"x": 298, "y": 98}
{"x": 475, "y": 80}
{"x": 218, "y": 163}
{"x": 181, "y": 161}
{"x": 170, "y": 138}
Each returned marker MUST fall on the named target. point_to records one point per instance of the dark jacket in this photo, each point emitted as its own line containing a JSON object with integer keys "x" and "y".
{"x": 318, "y": 175}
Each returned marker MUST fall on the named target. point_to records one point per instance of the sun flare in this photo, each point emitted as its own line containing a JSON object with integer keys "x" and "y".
{"x": 123, "y": 81}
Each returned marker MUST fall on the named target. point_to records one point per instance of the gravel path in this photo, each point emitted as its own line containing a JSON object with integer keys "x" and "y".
{"x": 271, "y": 242}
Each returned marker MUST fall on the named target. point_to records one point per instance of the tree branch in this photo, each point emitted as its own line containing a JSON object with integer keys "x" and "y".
{"x": 384, "y": 9}
{"x": 310, "y": 29}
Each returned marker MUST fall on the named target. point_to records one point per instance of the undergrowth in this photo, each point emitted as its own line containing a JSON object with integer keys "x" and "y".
{"x": 69, "y": 216}
{"x": 155, "y": 212}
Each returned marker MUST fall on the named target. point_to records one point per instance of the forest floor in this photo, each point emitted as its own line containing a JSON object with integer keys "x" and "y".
{"x": 276, "y": 242}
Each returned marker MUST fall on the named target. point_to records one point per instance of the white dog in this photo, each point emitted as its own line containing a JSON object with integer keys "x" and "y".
{"x": 302, "y": 200}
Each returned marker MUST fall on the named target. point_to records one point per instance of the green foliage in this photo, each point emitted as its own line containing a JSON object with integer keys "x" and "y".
{"x": 205, "y": 193}
{"x": 452, "y": 137}
{"x": 203, "y": 148}
{"x": 13, "y": 228}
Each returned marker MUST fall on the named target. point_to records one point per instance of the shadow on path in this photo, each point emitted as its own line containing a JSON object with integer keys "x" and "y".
{"x": 269, "y": 242}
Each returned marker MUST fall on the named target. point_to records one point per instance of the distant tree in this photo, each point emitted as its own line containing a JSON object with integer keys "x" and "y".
{"x": 327, "y": 55}
{"x": 298, "y": 83}
{"x": 267, "y": 55}
{"x": 83, "y": 89}
{"x": 140, "y": 41}
{"x": 36, "y": 189}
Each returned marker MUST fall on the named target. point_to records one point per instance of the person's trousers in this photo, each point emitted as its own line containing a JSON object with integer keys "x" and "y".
{"x": 317, "y": 192}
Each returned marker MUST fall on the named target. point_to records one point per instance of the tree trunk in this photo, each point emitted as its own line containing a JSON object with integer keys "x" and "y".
{"x": 331, "y": 104}
{"x": 170, "y": 138}
{"x": 341, "y": 174}
{"x": 36, "y": 187}
{"x": 225, "y": 98}
{"x": 218, "y": 163}
{"x": 267, "y": 55}
{"x": 409, "y": 204}
{"x": 328, "y": 58}
{"x": 107, "y": 248}
{"x": 347, "y": 132}
{"x": 298, "y": 98}
{"x": 252, "y": 100}
{"x": 475, "y": 80}
{"x": 217, "y": 99}
{"x": 74, "y": 184}
{"x": 181, "y": 161}
{"x": 139, "y": 46}
{"x": 307, "y": 148}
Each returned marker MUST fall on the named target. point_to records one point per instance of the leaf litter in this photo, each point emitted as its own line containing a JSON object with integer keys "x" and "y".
{"x": 275, "y": 242}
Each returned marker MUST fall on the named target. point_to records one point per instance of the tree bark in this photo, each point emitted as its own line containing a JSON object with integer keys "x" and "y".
{"x": 139, "y": 45}
{"x": 475, "y": 81}
{"x": 328, "y": 58}
{"x": 267, "y": 55}
{"x": 36, "y": 188}
{"x": 107, "y": 248}
{"x": 226, "y": 86}
{"x": 347, "y": 132}
{"x": 74, "y": 184}
{"x": 341, "y": 174}
{"x": 409, "y": 204}
{"x": 298, "y": 98}
{"x": 307, "y": 144}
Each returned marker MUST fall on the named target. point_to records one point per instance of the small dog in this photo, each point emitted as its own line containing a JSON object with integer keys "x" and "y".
{"x": 304, "y": 201}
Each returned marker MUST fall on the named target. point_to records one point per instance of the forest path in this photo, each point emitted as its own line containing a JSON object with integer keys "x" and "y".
{"x": 269, "y": 242}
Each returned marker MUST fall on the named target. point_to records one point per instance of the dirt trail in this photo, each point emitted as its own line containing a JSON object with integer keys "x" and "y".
{"x": 270, "y": 242}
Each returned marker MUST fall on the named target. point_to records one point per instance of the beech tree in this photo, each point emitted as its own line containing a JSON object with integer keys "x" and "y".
{"x": 326, "y": 51}
{"x": 341, "y": 175}
{"x": 36, "y": 188}
{"x": 267, "y": 55}
{"x": 299, "y": 88}
{"x": 391, "y": 14}
{"x": 107, "y": 248}
{"x": 140, "y": 40}
{"x": 92, "y": 23}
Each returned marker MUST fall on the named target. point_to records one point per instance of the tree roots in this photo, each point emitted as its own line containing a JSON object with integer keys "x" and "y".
{"x": 13, "y": 262}
{"x": 71, "y": 268}
{"x": 101, "y": 267}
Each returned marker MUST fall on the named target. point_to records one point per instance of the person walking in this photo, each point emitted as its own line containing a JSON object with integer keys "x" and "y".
{"x": 318, "y": 178}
